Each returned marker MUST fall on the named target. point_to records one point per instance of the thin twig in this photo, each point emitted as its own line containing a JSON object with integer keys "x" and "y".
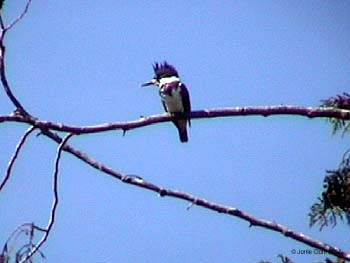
{"x": 15, "y": 234}
{"x": 2, "y": 25}
{"x": 3, "y": 78}
{"x": 54, "y": 202}
{"x": 264, "y": 111}
{"x": 25, "y": 228}
{"x": 4, "y": 82}
{"x": 20, "y": 17}
{"x": 15, "y": 155}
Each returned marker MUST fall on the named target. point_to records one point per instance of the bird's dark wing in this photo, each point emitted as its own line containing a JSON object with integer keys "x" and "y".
{"x": 186, "y": 101}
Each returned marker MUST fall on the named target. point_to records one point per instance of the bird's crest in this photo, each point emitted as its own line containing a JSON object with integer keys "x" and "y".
{"x": 164, "y": 70}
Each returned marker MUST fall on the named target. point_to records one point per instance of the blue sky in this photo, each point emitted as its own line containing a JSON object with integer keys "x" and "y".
{"x": 82, "y": 63}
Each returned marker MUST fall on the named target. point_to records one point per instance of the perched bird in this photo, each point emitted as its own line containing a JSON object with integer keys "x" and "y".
{"x": 174, "y": 95}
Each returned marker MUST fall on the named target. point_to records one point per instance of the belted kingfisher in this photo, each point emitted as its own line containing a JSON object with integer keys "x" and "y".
{"x": 174, "y": 95}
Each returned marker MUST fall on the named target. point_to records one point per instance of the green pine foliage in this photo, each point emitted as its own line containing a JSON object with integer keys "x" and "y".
{"x": 342, "y": 102}
{"x": 334, "y": 202}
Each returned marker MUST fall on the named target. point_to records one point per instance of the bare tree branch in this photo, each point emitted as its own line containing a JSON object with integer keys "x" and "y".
{"x": 238, "y": 213}
{"x": 3, "y": 78}
{"x": 2, "y": 25}
{"x": 54, "y": 202}
{"x": 14, "y": 156}
{"x": 5, "y": 83}
{"x": 265, "y": 111}
{"x": 46, "y": 127}
{"x": 19, "y": 18}
{"x": 139, "y": 182}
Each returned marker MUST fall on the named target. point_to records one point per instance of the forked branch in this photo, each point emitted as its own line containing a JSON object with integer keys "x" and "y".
{"x": 54, "y": 202}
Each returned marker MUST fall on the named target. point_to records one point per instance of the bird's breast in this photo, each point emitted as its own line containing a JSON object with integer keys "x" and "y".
{"x": 172, "y": 100}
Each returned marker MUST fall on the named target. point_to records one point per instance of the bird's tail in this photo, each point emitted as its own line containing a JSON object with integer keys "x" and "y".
{"x": 181, "y": 126}
{"x": 183, "y": 135}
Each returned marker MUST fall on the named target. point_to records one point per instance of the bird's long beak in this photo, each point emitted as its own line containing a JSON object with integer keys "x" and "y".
{"x": 149, "y": 83}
